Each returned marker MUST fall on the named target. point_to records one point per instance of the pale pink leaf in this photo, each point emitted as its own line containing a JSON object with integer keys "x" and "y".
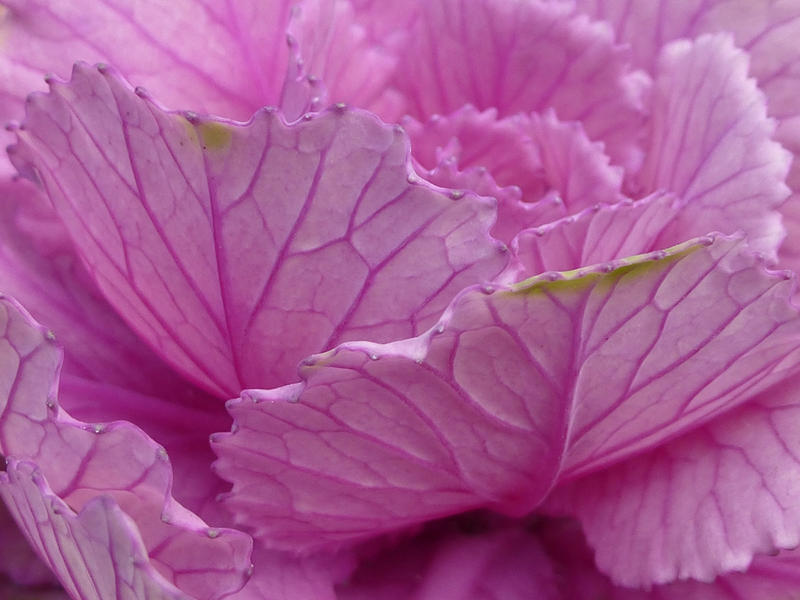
{"x": 510, "y": 391}
{"x": 711, "y": 144}
{"x": 765, "y": 29}
{"x": 513, "y": 212}
{"x": 39, "y": 267}
{"x": 523, "y": 56}
{"x": 181, "y": 422}
{"x": 108, "y": 373}
{"x": 112, "y": 470}
{"x": 474, "y": 139}
{"x": 767, "y": 578}
{"x": 596, "y": 235}
{"x": 237, "y": 249}
{"x": 557, "y": 169}
{"x": 700, "y": 505}
{"x": 789, "y": 253}
{"x": 97, "y": 552}
{"x": 326, "y": 38}
{"x": 229, "y": 59}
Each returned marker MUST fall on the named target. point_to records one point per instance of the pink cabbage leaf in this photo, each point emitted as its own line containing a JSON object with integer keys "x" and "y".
{"x": 511, "y": 391}
{"x": 94, "y": 496}
{"x": 222, "y": 244}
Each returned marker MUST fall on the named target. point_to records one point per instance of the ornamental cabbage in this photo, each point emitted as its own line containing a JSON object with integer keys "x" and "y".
{"x": 440, "y": 300}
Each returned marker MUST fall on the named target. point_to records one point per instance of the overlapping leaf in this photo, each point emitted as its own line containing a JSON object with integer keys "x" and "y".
{"x": 236, "y": 250}
{"x": 95, "y": 499}
{"x": 511, "y": 391}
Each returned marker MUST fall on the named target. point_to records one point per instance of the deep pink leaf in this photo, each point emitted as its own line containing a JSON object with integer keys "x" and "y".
{"x": 286, "y": 576}
{"x": 20, "y": 592}
{"x": 18, "y": 563}
{"x": 507, "y": 564}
